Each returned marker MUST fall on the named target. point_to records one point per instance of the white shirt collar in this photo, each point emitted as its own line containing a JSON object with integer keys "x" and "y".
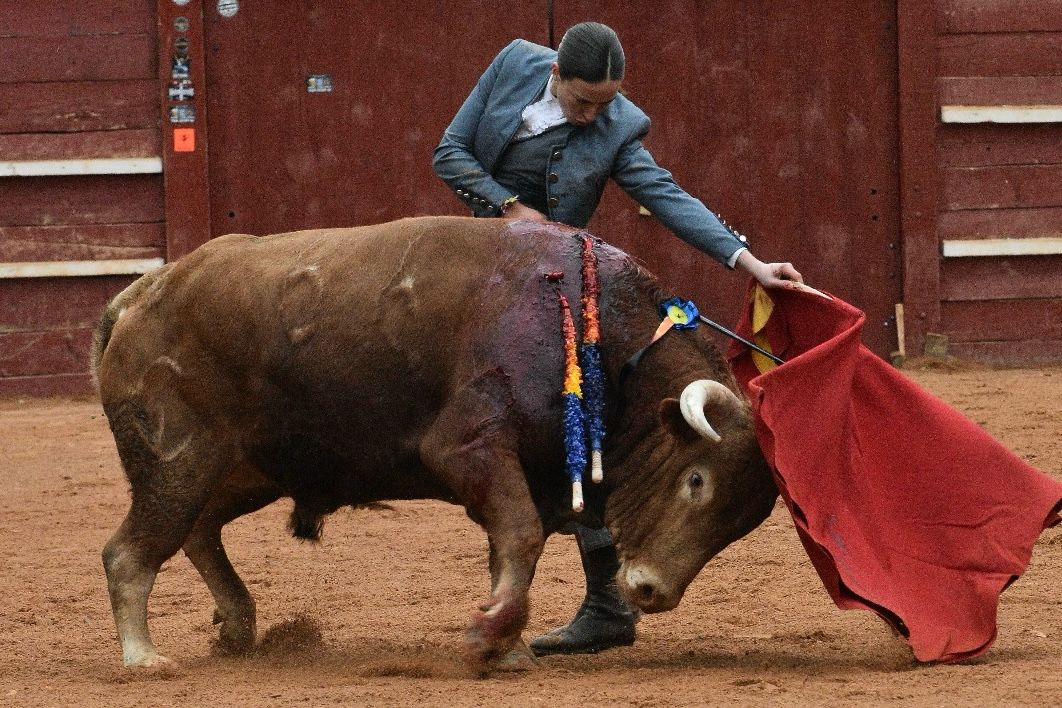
{"x": 543, "y": 114}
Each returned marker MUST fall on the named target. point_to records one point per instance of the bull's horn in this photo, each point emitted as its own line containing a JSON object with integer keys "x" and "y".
{"x": 699, "y": 394}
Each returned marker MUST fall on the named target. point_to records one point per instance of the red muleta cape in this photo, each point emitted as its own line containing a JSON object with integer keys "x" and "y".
{"x": 905, "y": 507}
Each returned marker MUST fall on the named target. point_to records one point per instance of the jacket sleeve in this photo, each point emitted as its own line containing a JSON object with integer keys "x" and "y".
{"x": 649, "y": 184}
{"x": 455, "y": 160}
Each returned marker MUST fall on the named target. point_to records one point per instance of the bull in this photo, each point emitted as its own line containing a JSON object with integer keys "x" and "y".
{"x": 417, "y": 359}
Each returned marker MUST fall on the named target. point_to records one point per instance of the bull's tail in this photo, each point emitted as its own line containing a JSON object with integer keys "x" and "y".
{"x": 113, "y": 311}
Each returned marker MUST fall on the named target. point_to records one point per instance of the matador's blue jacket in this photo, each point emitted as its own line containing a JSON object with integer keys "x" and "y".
{"x": 611, "y": 146}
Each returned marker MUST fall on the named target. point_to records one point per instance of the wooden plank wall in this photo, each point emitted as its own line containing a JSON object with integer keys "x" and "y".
{"x": 1000, "y": 180}
{"x": 78, "y": 80}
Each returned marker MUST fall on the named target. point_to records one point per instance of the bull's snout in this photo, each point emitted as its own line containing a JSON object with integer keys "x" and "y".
{"x": 644, "y": 588}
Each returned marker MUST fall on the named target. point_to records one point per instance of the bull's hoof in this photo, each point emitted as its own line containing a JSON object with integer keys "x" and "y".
{"x": 518, "y": 659}
{"x": 232, "y": 646}
{"x": 151, "y": 662}
{"x": 495, "y": 631}
{"x": 236, "y": 636}
{"x": 485, "y": 658}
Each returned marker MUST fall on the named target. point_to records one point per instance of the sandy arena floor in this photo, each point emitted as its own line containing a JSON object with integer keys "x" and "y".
{"x": 375, "y": 613}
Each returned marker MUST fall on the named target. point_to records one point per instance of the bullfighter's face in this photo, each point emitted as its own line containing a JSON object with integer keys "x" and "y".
{"x": 581, "y": 100}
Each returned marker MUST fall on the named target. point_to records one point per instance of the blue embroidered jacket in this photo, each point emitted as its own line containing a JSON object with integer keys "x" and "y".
{"x": 611, "y": 146}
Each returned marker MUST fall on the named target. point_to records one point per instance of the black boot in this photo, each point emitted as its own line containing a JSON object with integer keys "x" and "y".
{"x": 603, "y": 621}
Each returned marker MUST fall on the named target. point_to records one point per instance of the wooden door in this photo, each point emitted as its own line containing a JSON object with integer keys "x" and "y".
{"x": 327, "y": 113}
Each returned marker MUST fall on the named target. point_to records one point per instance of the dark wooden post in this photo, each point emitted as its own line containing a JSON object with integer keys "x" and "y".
{"x": 918, "y": 169}
{"x": 182, "y": 78}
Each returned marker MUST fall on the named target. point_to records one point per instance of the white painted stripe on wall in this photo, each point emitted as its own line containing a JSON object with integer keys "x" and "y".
{"x": 103, "y": 166}
{"x": 1001, "y": 114}
{"x": 1047, "y": 246}
{"x": 62, "y": 269}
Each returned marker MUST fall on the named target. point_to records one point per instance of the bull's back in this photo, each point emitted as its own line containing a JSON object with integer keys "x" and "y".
{"x": 355, "y": 333}
{"x": 400, "y": 300}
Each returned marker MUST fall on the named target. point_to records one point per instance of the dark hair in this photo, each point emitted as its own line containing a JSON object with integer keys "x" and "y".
{"x": 590, "y": 51}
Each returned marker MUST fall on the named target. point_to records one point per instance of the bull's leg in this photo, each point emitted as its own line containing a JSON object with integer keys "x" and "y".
{"x": 171, "y": 478}
{"x": 132, "y": 557}
{"x": 234, "y": 606}
{"x": 131, "y": 564}
{"x": 519, "y": 656}
{"x": 471, "y": 449}
{"x": 516, "y": 542}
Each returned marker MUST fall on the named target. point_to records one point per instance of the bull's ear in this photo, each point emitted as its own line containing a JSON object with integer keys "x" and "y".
{"x": 672, "y": 420}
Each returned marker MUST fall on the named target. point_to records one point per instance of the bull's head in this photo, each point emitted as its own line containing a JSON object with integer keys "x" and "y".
{"x": 704, "y": 485}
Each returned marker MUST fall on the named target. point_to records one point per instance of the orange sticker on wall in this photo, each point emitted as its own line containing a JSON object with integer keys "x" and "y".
{"x": 184, "y": 139}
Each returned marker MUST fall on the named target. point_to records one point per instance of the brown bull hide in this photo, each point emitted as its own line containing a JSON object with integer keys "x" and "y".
{"x": 417, "y": 359}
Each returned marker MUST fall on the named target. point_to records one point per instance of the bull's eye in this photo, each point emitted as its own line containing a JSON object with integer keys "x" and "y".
{"x": 698, "y": 488}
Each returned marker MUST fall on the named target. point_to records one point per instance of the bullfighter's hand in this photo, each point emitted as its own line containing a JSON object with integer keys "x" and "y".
{"x": 770, "y": 275}
{"x": 523, "y": 212}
